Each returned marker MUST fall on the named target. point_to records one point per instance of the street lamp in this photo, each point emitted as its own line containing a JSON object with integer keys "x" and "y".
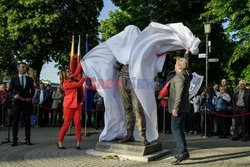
{"x": 207, "y": 29}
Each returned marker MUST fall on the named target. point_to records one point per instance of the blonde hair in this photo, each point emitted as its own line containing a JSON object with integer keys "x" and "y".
{"x": 243, "y": 82}
{"x": 182, "y": 63}
{"x": 62, "y": 76}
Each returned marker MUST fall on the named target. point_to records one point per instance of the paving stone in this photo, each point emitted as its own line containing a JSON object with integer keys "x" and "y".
{"x": 204, "y": 152}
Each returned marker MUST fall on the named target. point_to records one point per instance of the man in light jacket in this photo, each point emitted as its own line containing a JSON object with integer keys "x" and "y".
{"x": 179, "y": 107}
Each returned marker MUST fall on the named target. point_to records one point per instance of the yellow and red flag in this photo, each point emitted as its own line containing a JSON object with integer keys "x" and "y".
{"x": 72, "y": 63}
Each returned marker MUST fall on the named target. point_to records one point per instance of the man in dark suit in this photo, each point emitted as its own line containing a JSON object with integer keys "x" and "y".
{"x": 22, "y": 91}
{"x": 178, "y": 105}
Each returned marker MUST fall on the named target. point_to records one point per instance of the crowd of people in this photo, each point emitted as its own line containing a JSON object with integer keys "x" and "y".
{"x": 216, "y": 111}
{"x": 48, "y": 109}
{"x": 217, "y": 98}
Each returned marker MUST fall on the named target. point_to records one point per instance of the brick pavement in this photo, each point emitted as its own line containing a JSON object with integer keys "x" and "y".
{"x": 204, "y": 152}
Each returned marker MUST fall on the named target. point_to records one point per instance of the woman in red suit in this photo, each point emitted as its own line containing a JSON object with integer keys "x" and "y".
{"x": 71, "y": 104}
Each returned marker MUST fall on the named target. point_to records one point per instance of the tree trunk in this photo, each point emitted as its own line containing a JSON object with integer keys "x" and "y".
{"x": 36, "y": 68}
{"x": 38, "y": 72}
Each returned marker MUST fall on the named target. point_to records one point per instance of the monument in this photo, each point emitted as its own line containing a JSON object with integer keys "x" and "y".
{"x": 139, "y": 50}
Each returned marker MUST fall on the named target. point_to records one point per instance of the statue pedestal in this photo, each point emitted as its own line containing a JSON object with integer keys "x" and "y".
{"x": 131, "y": 150}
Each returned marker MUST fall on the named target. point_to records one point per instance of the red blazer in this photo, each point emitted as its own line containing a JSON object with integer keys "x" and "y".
{"x": 70, "y": 89}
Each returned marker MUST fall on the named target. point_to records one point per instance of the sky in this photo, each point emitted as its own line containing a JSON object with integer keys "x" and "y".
{"x": 49, "y": 72}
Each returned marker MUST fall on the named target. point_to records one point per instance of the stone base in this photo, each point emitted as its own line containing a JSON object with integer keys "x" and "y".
{"x": 131, "y": 151}
{"x": 131, "y": 148}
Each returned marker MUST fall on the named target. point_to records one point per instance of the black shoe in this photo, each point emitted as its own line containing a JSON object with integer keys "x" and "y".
{"x": 222, "y": 136}
{"x": 176, "y": 156}
{"x": 181, "y": 158}
{"x": 61, "y": 148}
{"x": 244, "y": 139}
{"x": 168, "y": 132}
{"x": 14, "y": 144}
{"x": 78, "y": 147}
{"x": 234, "y": 138}
{"x": 27, "y": 142}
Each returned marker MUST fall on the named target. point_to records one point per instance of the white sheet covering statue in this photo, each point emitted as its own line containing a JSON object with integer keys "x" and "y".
{"x": 138, "y": 49}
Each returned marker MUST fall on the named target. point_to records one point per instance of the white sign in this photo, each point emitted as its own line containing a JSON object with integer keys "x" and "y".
{"x": 202, "y": 55}
{"x": 212, "y": 60}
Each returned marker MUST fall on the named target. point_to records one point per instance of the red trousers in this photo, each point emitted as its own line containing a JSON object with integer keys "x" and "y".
{"x": 70, "y": 114}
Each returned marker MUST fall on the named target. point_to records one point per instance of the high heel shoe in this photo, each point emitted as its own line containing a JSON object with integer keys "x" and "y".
{"x": 78, "y": 147}
{"x": 62, "y": 147}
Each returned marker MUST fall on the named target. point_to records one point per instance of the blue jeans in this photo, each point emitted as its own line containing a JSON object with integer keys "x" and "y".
{"x": 177, "y": 125}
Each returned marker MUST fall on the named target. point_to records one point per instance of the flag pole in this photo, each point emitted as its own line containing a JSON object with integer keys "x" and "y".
{"x": 72, "y": 68}
{"x": 86, "y": 112}
{"x": 164, "y": 120}
{"x": 79, "y": 59}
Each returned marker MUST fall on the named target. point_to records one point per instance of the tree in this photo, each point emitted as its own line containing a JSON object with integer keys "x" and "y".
{"x": 236, "y": 14}
{"x": 142, "y": 12}
{"x": 115, "y": 24}
{"x": 41, "y": 30}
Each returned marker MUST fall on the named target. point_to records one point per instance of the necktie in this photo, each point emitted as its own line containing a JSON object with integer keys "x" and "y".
{"x": 22, "y": 80}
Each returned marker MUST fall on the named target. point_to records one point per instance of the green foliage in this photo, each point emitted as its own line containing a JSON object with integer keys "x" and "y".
{"x": 117, "y": 22}
{"x": 40, "y": 30}
{"x": 238, "y": 65}
{"x": 236, "y": 13}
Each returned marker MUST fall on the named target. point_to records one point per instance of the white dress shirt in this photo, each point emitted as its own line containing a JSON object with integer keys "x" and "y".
{"x": 41, "y": 97}
{"x": 24, "y": 80}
